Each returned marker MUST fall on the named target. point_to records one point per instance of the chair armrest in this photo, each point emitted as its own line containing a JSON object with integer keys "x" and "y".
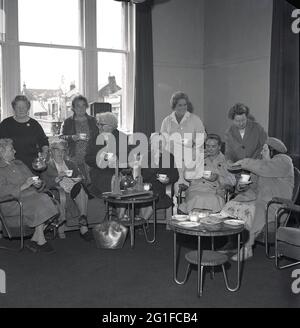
{"x": 279, "y": 200}
{"x": 293, "y": 207}
{"x": 8, "y": 198}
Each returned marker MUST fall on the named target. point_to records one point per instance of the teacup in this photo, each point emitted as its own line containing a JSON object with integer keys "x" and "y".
{"x": 109, "y": 156}
{"x": 147, "y": 186}
{"x": 193, "y": 217}
{"x": 206, "y": 174}
{"x": 82, "y": 136}
{"x": 244, "y": 178}
{"x": 162, "y": 176}
{"x": 69, "y": 173}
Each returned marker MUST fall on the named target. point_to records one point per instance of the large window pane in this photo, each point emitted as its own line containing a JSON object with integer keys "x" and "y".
{"x": 49, "y": 21}
{"x": 50, "y": 78}
{"x": 110, "y": 24}
{"x": 111, "y": 80}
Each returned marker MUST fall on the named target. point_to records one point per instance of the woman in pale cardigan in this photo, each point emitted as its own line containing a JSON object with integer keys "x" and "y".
{"x": 273, "y": 176}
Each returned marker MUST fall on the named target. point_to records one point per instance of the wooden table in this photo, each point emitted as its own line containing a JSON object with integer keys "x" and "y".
{"x": 202, "y": 230}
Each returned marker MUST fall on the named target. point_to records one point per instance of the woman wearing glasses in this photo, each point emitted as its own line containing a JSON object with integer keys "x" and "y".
{"x": 77, "y": 130}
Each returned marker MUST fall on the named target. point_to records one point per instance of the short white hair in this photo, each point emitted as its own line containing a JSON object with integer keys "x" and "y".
{"x": 108, "y": 118}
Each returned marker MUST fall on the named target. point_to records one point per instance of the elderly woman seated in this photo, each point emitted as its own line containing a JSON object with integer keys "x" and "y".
{"x": 272, "y": 176}
{"x": 64, "y": 175}
{"x": 17, "y": 180}
{"x": 102, "y": 152}
{"x": 209, "y": 191}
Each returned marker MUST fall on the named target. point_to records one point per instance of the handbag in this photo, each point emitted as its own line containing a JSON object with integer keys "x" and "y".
{"x": 110, "y": 235}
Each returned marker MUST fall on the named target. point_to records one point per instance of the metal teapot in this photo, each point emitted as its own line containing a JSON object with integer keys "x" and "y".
{"x": 39, "y": 163}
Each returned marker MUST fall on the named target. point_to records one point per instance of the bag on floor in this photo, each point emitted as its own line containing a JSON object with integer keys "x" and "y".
{"x": 110, "y": 235}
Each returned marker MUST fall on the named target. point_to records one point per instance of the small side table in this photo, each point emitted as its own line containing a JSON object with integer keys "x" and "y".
{"x": 203, "y": 258}
{"x": 130, "y": 203}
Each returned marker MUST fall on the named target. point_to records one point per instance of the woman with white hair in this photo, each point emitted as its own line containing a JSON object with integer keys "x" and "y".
{"x": 65, "y": 174}
{"x": 108, "y": 141}
{"x": 17, "y": 180}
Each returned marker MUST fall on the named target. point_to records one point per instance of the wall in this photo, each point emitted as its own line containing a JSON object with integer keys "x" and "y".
{"x": 177, "y": 53}
{"x": 236, "y": 62}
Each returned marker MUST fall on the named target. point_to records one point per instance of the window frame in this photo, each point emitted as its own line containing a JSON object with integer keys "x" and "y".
{"x": 88, "y": 76}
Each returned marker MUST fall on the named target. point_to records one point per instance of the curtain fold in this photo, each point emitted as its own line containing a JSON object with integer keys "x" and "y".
{"x": 284, "y": 112}
{"x": 144, "y": 91}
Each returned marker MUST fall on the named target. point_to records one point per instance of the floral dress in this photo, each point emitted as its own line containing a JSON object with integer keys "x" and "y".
{"x": 80, "y": 148}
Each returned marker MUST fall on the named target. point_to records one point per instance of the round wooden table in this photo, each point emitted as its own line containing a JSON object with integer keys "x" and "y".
{"x": 130, "y": 203}
{"x": 203, "y": 258}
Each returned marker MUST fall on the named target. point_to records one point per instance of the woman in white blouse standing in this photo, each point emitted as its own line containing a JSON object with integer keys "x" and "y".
{"x": 187, "y": 131}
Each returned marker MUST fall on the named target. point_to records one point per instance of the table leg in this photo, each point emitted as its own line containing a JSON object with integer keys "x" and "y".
{"x": 154, "y": 226}
{"x": 234, "y": 289}
{"x": 175, "y": 264}
{"x": 132, "y": 226}
{"x": 212, "y": 270}
{"x": 199, "y": 269}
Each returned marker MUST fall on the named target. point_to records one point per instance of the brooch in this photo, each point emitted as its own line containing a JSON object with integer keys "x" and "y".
{"x": 28, "y": 124}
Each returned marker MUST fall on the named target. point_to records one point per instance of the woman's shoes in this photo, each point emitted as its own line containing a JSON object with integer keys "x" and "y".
{"x": 46, "y": 248}
{"x": 87, "y": 236}
{"x": 35, "y": 248}
{"x": 61, "y": 235}
{"x": 245, "y": 254}
{"x": 32, "y": 246}
{"x": 229, "y": 247}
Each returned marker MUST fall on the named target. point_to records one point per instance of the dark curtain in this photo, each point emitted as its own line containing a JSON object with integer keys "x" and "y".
{"x": 144, "y": 94}
{"x": 284, "y": 113}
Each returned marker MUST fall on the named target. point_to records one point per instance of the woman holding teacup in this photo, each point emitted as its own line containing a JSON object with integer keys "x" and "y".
{"x": 77, "y": 130}
{"x": 208, "y": 192}
{"x": 274, "y": 178}
{"x": 18, "y": 181}
{"x": 64, "y": 175}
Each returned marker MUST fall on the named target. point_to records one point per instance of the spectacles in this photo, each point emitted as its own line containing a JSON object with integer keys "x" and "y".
{"x": 59, "y": 149}
{"x": 102, "y": 124}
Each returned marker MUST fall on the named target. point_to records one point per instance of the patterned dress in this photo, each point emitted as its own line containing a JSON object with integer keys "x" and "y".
{"x": 80, "y": 148}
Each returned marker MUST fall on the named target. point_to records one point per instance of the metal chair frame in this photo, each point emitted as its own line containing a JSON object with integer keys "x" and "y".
{"x": 279, "y": 213}
{"x": 2, "y": 219}
{"x": 286, "y": 205}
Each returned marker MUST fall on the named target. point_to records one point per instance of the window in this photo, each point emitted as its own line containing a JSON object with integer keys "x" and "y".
{"x": 113, "y": 53}
{"x": 59, "y": 42}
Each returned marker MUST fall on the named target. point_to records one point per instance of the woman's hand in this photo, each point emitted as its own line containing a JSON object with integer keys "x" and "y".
{"x": 75, "y": 137}
{"x": 28, "y": 183}
{"x": 241, "y": 187}
{"x": 163, "y": 180}
{"x": 213, "y": 177}
{"x": 37, "y": 183}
